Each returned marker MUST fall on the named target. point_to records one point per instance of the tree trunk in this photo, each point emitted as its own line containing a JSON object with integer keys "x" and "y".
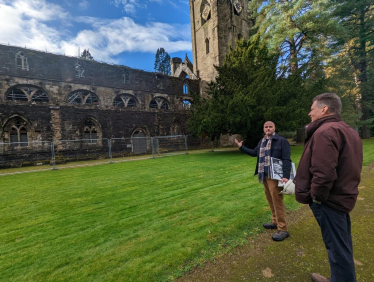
{"x": 293, "y": 57}
{"x": 364, "y": 88}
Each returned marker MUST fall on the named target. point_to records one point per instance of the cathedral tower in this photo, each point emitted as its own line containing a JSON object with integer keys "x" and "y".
{"x": 215, "y": 24}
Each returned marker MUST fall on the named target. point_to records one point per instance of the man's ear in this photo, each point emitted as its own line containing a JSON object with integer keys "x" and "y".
{"x": 326, "y": 109}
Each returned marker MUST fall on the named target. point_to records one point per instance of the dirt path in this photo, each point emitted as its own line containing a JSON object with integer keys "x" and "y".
{"x": 294, "y": 259}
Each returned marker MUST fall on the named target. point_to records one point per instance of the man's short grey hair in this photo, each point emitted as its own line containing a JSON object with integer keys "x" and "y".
{"x": 331, "y": 100}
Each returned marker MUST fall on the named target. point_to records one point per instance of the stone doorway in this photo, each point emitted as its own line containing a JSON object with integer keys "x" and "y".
{"x": 139, "y": 142}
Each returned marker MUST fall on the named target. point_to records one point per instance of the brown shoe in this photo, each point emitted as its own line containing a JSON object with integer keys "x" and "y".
{"x": 319, "y": 278}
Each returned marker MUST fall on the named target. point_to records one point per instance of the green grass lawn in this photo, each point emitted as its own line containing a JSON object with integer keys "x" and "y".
{"x": 147, "y": 220}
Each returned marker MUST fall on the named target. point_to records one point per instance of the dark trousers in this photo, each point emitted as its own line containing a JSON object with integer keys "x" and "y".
{"x": 336, "y": 233}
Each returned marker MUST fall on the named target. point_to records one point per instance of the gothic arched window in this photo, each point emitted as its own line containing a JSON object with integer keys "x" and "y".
{"x": 159, "y": 103}
{"x": 91, "y": 131}
{"x": 125, "y": 101}
{"x": 79, "y": 71}
{"x": 27, "y": 93}
{"x": 17, "y": 129}
{"x": 207, "y": 46}
{"x": 83, "y": 97}
{"x": 185, "y": 88}
{"x": 126, "y": 77}
{"x": 176, "y": 128}
{"x": 21, "y": 61}
{"x": 186, "y": 104}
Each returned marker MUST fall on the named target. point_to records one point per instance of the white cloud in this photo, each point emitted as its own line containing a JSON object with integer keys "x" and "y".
{"x": 130, "y": 9}
{"x": 129, "y": 6}
{"x": 38, "y": 9}
{"x": 110, "y": 38}
{"x": 83, "y": 5}
{"x": 106, "y": 38}
{"x": 24, "y": 24}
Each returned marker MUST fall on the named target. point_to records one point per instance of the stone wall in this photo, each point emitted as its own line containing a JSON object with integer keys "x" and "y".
{"x": 58, "y": 118}
{"x": 223, "y": 27}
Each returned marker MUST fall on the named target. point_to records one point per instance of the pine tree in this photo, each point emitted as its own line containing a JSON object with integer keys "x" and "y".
{"x": 162, "y": 62}
{"x": 299, "y": 30}
{"x": 86, "y": 55}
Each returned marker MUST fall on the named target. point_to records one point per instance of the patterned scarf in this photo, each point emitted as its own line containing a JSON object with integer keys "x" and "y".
{"x": 264, "y": 158}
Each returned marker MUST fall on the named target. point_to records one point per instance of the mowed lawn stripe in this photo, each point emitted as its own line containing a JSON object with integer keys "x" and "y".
{"x": 146, "y": 220}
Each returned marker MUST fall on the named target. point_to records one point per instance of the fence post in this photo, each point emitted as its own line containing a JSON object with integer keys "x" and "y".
{"x": 53, "y": 156}
{"x": 153, "y": 147}
{"x": 157, "y": 145}
{"x": 110, "y": 150}
{"x": 185, "y": 143}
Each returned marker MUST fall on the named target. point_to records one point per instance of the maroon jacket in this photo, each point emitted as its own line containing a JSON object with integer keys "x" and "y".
{"x": 330, "y": 166}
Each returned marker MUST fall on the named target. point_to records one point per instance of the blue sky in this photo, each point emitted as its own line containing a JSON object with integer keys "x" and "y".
{"x": 124, "y": 32}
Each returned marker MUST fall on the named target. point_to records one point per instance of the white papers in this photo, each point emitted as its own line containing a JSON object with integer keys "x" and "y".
{"x": 276, "y": 170}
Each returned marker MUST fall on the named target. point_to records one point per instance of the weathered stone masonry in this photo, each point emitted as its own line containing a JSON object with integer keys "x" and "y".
{"x": 52, "y": 97}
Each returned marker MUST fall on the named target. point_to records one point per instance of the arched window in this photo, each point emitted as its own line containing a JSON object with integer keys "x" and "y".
{"x": 26, "y": 93}
{"x": 79, "y": 71}
{"x": 17, "y": 129}
{"x": 176, "y": 128}
{"x": 21, "y": 61}
{"x": 83, "y": 97}
{"x": 153, "y": 104}
{"x": 185, "y": 88}
{"x": 40, "y": 97}
{"x": 186, "y": 104}
{"x": 159, "y": 103}
{"x": 125, "y": 101}
{"x": 90, "y": 131}
{"x": 207, "y": 46}
{"x": 126, "y": 77}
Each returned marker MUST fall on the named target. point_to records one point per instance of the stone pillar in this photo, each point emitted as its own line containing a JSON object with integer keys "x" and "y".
{"x": 56, "y": 125}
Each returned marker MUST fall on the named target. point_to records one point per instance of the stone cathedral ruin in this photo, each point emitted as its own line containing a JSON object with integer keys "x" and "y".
{"x": 49, "y": 97}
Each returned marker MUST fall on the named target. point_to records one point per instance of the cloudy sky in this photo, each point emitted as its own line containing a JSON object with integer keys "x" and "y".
{"x": 125, "y": 32}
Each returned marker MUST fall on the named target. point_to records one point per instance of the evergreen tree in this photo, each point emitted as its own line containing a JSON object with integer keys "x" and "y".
{"x": 86, "y": 55}
{"x": 334, "y": 37}
{"x": 249, "y": 90}
{"x": 299, "y": 30}
{"x": 357, "y": 43}
{"x": 162, "y": 62}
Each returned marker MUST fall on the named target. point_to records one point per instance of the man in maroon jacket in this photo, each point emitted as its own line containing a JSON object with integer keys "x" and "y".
{"x": 327, "y": 179}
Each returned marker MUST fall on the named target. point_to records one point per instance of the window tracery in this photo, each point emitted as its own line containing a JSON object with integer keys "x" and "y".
{"x": 83, "y": 97}
{"x": 186, "y": 89}
{"x": 21, "y": 61}
{"x": 17, "y": 128}
{"x": 125, "y": 101}
{"x": 126, "y": 77}
{"x": 27, "y": 93}
{"x": 159, "y": 103}
{"x": 79, "y": 70}
{"x": 186, "y": 104}
{"x": 90, "y": 131}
